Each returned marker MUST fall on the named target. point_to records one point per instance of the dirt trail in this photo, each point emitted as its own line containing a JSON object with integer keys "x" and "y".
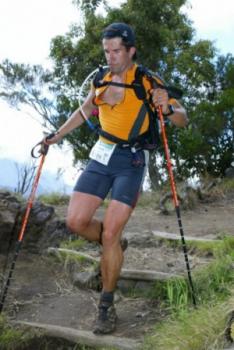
{"x": 42, "y": 291}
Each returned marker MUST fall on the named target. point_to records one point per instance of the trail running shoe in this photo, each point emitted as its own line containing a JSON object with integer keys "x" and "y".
{"x": 106, "y": 320}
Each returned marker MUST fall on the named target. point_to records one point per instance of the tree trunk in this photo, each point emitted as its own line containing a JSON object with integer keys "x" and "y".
{"x": 154, "y": 176}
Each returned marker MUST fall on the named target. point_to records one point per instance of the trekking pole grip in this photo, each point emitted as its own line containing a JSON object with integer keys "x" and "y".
{"x": 44, "y": 146}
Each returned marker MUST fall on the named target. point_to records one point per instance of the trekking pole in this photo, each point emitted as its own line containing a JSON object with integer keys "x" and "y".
{"x": 43, "y": 152}
{"x": 176, "y": 202}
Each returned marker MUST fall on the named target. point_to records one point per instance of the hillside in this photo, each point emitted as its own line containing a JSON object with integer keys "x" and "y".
{"x": 43, "y": 290}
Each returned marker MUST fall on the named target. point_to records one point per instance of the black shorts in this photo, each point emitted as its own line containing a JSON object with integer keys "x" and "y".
{"x": 120, "y": 176}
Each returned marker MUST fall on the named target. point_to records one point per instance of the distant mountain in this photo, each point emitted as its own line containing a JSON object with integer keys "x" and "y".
{"x": 48, "y": 182}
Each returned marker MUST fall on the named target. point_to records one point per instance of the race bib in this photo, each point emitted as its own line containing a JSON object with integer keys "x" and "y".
{"x": 102, "y": 152}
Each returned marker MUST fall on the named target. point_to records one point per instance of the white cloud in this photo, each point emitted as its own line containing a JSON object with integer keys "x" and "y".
{"x": 213, "y": 21}
{"x": 19, "y": 133}
{"x": 26, "y": 29}
{"x": 27, "y": 26}
{"x": 209, "y": 16}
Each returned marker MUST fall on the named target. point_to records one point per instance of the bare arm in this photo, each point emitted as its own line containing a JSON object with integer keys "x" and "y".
{"x": 76, "y": 119}
{"x": 179, "y": 118}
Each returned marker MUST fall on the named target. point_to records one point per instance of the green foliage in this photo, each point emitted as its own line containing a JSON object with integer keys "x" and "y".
{"x": 193, "y": 329}
{"x": 148, "y": 199}
{"x": 54, "y": 198}
{"x": 227, "y": 185}
{"x": 88, "y": 5}
{"x": 211, "y": 283}
{"x": 22, "y": 84}
{"x": 177, "y": 294}
{"x": 223, "y": 248}
{"x": 71, "y": 259}
{"x": 74, "y": 244}
{"x": 165, "y": 43}
{"x": 11, "y": 338}
{"x": 202, "y": 328}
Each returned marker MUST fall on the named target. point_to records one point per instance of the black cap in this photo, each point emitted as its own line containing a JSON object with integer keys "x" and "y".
{"x": 121, "y": 30}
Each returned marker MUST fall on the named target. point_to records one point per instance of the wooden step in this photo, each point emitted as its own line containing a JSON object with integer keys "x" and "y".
{"x": 176, "y": 237}
{"x": 83, "y": 337}
{"x": 57, "y": 251}
{"x": 145, "y": 275}
{"x": 126, "y": 274}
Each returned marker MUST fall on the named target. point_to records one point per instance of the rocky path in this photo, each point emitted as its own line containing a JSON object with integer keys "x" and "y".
{"x": 42, "y": 291}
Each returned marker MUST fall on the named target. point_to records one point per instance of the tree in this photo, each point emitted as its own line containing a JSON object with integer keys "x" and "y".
{"x": 206, "y": 146}
{"x": 24, "y": 84}
{"x": 25, "y": 175}
{"x": 166, "y": 44}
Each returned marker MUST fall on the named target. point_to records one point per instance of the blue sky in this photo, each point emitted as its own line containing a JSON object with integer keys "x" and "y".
{"x": 26, "y": 28}
{"x": 214, "y": 20}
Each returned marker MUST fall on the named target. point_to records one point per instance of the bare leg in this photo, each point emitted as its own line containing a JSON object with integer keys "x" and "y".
{"x": 117, "y": 215}
{"x": 80, "y": 220}
{"x": 115, "y": 219}
{"x": 80, "y": 213}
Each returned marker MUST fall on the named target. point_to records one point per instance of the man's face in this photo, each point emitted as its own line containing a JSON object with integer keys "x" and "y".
{"x": 117, "y": 56}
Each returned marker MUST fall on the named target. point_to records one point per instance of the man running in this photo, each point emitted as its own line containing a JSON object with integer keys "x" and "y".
{"x": 112, "y": 166}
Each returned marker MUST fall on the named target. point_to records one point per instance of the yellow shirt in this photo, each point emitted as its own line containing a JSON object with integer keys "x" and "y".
{"x": 119, "y": 119}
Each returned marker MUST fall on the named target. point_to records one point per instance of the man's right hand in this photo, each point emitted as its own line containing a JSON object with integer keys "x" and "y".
{"x": 52, "y": 138}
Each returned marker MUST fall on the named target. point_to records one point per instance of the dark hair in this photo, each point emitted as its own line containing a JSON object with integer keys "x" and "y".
{"x": 123, "y": 31}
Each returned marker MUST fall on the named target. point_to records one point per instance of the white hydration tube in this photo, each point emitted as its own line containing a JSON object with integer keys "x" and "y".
{"x": 81, "y": 98}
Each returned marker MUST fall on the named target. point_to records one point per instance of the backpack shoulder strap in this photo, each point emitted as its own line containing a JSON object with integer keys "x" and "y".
{"x": 138, "y": 83}
{"x": 102, "y": 72}
{"x": 141, "y": 94}
{"x": 99, "y": 81}
{"x": 139, "y": 88}
{"x": 157, "y": 81}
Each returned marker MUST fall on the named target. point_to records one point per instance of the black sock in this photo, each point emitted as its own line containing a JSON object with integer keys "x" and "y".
{"x": 106, "y": 299}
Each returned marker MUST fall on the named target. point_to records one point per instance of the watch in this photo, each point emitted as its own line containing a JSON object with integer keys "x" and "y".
{"x": 171, "y": 111}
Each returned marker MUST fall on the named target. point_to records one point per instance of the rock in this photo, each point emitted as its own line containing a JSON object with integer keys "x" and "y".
{"x": 143, "y": 285}
{"x": 41, "y": 213}
{"x": 86, "y": 279}
{"x": 145, "y": 240}
{"x": 9, "y": 210}
{"x": 126, "y": 285}
{"x": 43, "y": 228}
{"x": 229, "y": 173}
{"x": 55, "y": 231}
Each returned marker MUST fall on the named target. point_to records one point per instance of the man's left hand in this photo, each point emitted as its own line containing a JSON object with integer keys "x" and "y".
{"x": 160, "y": 98}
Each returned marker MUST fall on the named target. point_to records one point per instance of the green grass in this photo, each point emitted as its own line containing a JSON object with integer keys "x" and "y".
{"x": 72, "y": 261}
{"x": 11, "y": 338}
{"x": 217, "y": 248}
{"x": 23, "y": 338}
{"x": 68, "y": 260}
{"x": 193, "y": 329}
{"x": 184, "y": 327}
{"x": 74, "y": 244}
{"x": 210, "y": 283}
{"x": 54, "y": 198}
{"x": 148, "y": 199}
{"x": 224, "y": 243}
{"x": 227, "y": 185}
{"x": 201, "y": 328}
